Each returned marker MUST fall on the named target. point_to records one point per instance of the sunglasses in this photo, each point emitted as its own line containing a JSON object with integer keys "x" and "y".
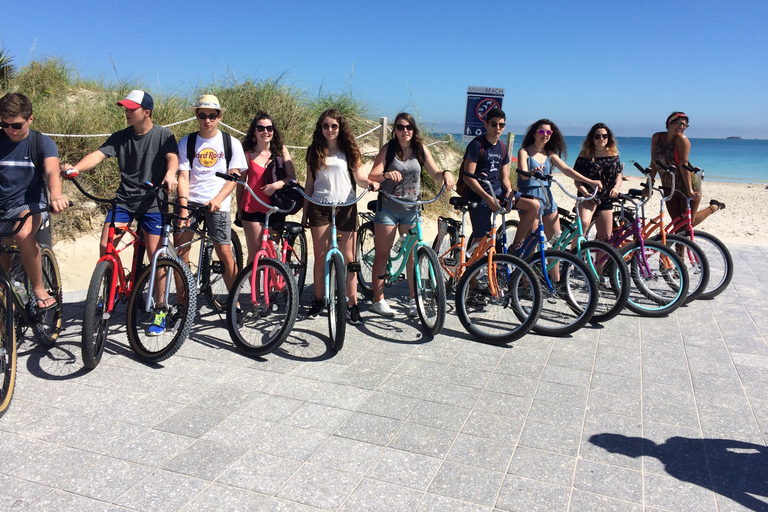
{"x": 545, "y": 132}
{"x": 203, "y": 117}
{"x": 261, "y": 128}
{"x": 681, "y": 123}
{"x": 494, "y": 124}
{"x": 327, "y": 126}
{"x": 599, "y": 136}
{"x": 15, "y": 126}
{"x": 401, "y": 127}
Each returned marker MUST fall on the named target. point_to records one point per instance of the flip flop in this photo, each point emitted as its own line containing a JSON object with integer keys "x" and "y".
{"x": 45, "y": 308}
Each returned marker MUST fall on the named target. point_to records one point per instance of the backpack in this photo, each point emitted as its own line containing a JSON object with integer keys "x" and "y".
{"x": 284, "y": 199}
{"x": 461, "y": 185}
{"x": 192, "y": 141}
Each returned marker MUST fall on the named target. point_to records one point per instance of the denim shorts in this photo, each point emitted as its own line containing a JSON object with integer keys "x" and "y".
{"x": 150, "y": 222}
{"x": 390, "y": 218}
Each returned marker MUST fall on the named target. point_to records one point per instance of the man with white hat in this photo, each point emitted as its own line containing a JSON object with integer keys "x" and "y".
{"x": 201, "y": 155}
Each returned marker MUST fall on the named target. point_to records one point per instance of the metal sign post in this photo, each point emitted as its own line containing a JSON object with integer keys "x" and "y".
{"x": 479, "y": 101}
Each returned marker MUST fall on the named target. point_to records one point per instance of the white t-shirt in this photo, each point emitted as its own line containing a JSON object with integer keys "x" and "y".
{"x": 332, "y": 184}
{"x": 209, "y": 159}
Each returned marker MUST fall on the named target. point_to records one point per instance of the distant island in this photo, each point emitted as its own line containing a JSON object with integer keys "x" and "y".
{"x": 734, "y": 137}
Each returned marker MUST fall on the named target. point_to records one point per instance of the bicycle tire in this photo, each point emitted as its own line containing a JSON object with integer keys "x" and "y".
{"x": 510, "y": 230}
{"x": 261, "y": 327}
{"x": 720, "y": 263}
{"x": 155, "y": 348}
{"x": 573, "y": 301}
{"x": 430, "y": 290}
{"x": 215, "y": 291}
{"x": 648, "y": 296}
{"x": 695, "y": 261}
{"x": 7, "y": 356}
{"x": 450, "y": 258}
{"x": 337, "y": 304}
{"x": 297, "y": 262}
{"x": 47, "y": 326}
{"x": 510, "y": 314}
{"x": 612, "y": 278}
{"x": 364, "y": 254}
{"x": 95, "y": 323}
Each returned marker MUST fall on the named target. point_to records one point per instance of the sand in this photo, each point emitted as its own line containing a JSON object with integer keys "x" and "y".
{"x": 743, "y": 222}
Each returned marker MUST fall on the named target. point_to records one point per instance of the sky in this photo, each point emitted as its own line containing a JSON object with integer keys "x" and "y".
{"x": 628, "y": 64}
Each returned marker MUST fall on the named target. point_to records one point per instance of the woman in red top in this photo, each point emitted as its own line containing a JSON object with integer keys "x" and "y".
{"x": 261, "y": 144}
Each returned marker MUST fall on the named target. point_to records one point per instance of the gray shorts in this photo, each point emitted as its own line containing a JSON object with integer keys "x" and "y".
{"x": 218, "y": 225}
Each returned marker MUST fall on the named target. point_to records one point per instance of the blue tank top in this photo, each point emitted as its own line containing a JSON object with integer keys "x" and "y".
{"x": 523, "y": 184}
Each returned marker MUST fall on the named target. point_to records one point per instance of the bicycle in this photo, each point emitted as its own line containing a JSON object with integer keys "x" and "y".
{"x": 111, "y": 283}
{"x": 209, "y": 270}
{"x": 429, "y": 287}
{"x": 335, "y": 274}
{"x": 498, "y": 298}
{"x": 602, "y": 260}
{"x": 568, "y": 285}
{"x": 263, "y": 303}
{"x": 658, "y": 277}
{"x": 17, "y": 307}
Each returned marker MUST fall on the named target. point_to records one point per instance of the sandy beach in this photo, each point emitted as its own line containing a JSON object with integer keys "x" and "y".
{"x": 743, "y": 222}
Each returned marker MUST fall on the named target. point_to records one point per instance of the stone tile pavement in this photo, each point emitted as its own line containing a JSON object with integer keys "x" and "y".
{"x": 639, "y": 414}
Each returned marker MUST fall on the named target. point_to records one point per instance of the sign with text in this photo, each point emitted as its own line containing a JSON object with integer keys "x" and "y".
{"x": 479, "y": 101}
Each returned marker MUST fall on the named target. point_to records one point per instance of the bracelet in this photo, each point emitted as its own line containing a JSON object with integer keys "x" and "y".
{"x": 182, "y": 197}
{"x": 445, "y": 171}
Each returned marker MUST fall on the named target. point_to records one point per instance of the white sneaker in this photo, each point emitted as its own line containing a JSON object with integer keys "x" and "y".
{"x": 412, "y": 309}
{"x": 382, "y": 308}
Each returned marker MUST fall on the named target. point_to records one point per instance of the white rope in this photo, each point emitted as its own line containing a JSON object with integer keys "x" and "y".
{"x": 233, "y": 129}
{"x": 369, "y": 131}
{"x": 438, "y": 142}
{"x": 181, "y": 122}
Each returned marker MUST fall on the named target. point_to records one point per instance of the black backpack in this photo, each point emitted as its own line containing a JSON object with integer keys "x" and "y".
{"x": 284, "y": 199}
{"x": 461, "y": 186}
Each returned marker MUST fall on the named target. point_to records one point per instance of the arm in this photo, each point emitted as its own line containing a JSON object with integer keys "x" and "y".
{"x": 614, "y": 192}
{"x": 683, "y": 147}
{"x": 506, "y": 184}
{"x": 182, "y": 195}
{"x": 475, "y": 186}
{"x": 444, "y": 177}
{"x": 377, "y": 172}
{"x": 87, "y": 163}
{"x": 309, "y": 189}
{"x": 654, "y": 169}
{"x": 53, "y": 179}
{"x": 172, "y": 160}
{"x": 362, "y": 179}
{"x": 573, "y": 174}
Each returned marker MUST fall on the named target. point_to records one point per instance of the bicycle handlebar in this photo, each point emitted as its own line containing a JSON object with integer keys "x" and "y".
{"x": 295, "y": 184}
{"x": 236, "y": 179}
{"x": 21, "y": 220}
{"x": 409, "y": 203}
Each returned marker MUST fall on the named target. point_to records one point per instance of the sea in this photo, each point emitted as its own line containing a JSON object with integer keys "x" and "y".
{"x": 730, "y": 160}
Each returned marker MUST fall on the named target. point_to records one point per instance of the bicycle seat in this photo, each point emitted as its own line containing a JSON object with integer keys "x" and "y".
{"x": 463, "y": 202}
{"x": 635, "y": 192}
{"x": 372, "y": 205}
{"x": 293, "y": 228}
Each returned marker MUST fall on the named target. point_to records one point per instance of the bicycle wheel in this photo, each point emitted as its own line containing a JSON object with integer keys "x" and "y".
{"x": 447, "y": 256}
{"x": 572, "y": 300}
{"x": 337, "y": 305}
{"x": 695, "y": 262}
{"x": 216, "y": 292}
{"x": 430, "y": 290}
{"x": 720, "y": 263}
{"x": 95, "y": 317}
{"x": 157, "y": 334}
{"x": 296, "y": 260}
{"x": 7, "y": 356}
{"x": 47, "y": 326}
{"x": 612, "y": 275}
{"x": 659, "y": 280}
{"x": 365, "y": 251}
{"x": 501, "y": 305}
{"x": 260, "y": 320}
{"x": 510, "y": 230}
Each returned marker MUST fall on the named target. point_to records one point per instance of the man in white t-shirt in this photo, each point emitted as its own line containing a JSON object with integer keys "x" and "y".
{"x": 199, "y": 185}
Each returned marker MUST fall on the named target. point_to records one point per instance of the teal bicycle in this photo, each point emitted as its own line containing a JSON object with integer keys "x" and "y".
{"x": 427, "y": 277}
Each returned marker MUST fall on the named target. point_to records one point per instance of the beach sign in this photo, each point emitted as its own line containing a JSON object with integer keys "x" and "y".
{"x": 479, "y": 101}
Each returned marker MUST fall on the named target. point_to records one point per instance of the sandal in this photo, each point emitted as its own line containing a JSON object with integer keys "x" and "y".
{"x": 41, "y": 302}
{"x": 715, "y": 202}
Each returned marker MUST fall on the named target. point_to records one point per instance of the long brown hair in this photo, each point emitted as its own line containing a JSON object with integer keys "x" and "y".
{"x": 417, "y": 142}
{"x": 318, "y": 150}
{"x": 556, "y": 142}
{"x": 588, "y": 146}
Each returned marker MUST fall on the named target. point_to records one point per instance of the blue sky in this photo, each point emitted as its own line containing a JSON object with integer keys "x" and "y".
{"x": 628, "y": 64}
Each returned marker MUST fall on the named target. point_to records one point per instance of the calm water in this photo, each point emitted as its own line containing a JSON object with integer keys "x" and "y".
{"x": 741, "y": 161}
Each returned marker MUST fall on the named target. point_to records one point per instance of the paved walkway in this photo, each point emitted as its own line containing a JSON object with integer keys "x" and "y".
{"x": 641, "y": 414}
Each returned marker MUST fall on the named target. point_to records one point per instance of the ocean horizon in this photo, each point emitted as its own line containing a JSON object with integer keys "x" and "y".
{"x": 726, "y": 160}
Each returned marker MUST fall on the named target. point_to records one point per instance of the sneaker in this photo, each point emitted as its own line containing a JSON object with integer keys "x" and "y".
{"x": 413, "y": 311}
{"x": 317, "y": 307}
{"x": 353, "y": 315}
{"x": 158, "y": 325}
{"x": 382, "y": 308}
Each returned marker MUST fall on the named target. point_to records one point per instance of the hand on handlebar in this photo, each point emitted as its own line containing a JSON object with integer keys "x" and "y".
{"x": 170, "y": 182}
{"x": 60, "y": 204}
{"x": 374, "y": 186}
{"x": 448, "y": 180}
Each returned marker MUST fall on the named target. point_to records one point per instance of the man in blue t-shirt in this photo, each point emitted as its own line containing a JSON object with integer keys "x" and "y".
{"x": 22, "y": 187}
{"x": 494, "y": 167}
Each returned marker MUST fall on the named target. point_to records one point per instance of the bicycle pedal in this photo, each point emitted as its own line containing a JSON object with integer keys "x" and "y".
{"x": 450, "y": 262}
{"x": 401, "y": 277}
{"x": 217, "y": 267}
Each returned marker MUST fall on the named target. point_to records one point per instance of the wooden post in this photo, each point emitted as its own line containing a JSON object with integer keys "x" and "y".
{"x": 383, "y": 132}
{"x": 510, "y": 141}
